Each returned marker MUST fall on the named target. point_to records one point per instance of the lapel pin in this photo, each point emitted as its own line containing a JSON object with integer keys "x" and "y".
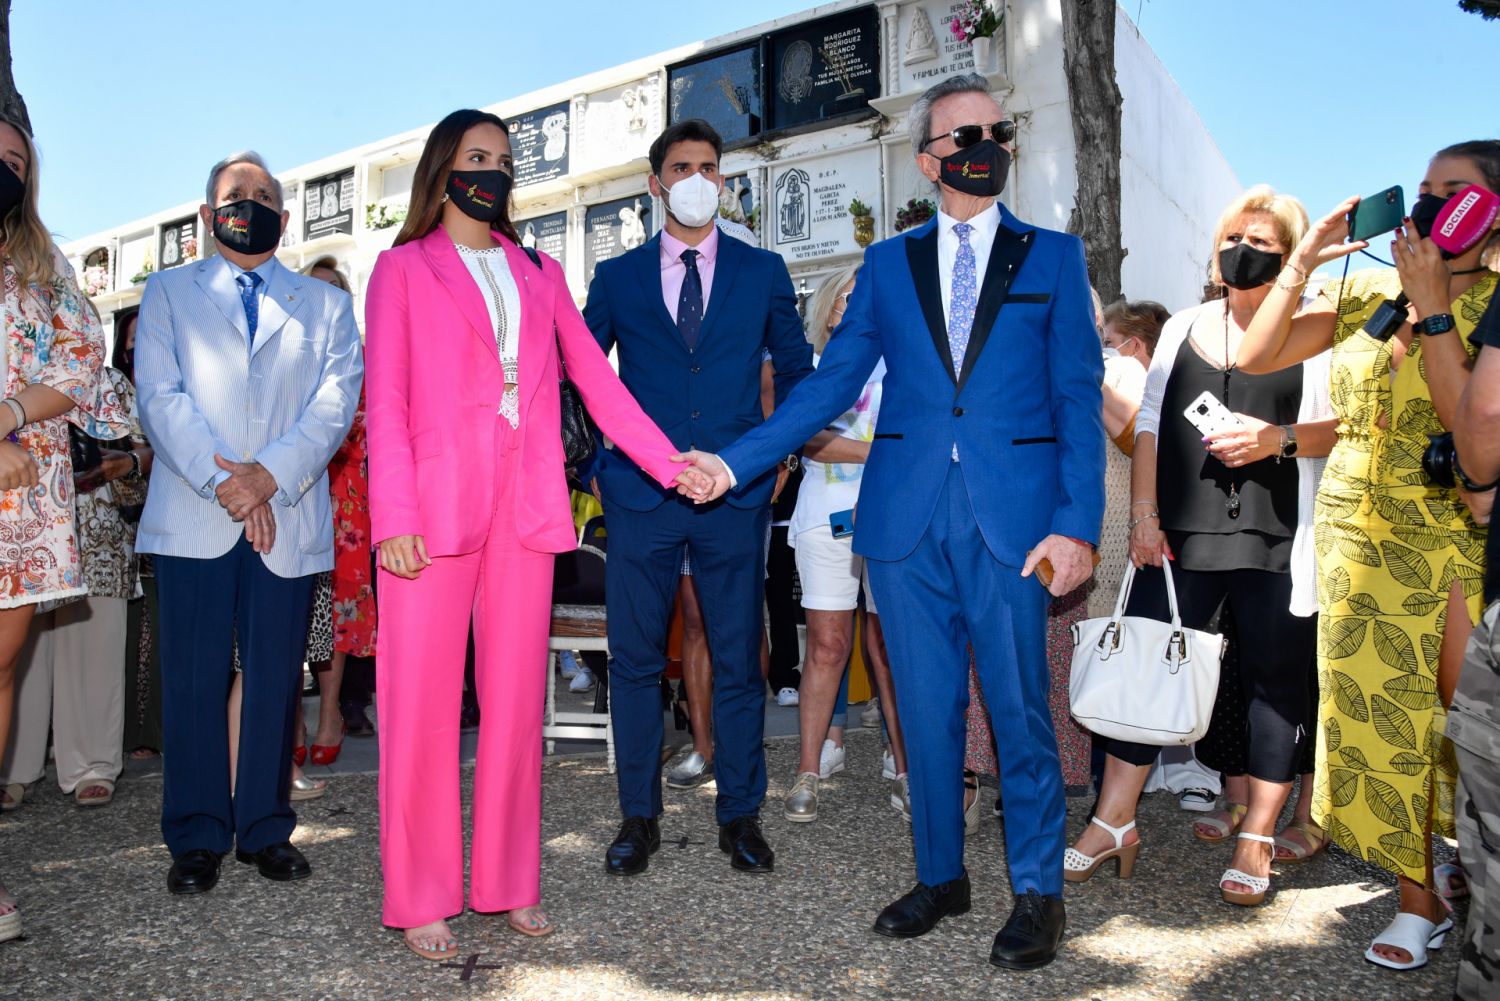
{"x": 290, "y": 297}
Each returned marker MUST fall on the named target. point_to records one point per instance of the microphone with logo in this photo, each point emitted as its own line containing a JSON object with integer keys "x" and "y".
{"x": 1460, "y": 225}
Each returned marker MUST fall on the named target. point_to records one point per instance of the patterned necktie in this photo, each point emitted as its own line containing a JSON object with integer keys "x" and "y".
{"x": 964, "y": 297}
{"x": 690, "y": 302}
{"x": 249, "y": 282}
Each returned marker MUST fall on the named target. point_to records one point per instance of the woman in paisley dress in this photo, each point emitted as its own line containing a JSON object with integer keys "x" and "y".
{"x": 1400, "y": 558}
{"x": 54, "y": 357}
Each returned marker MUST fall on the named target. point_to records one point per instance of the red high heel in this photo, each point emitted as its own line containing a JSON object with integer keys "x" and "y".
{"x": 324, "y": 754}
{"x": 299, "y": 755}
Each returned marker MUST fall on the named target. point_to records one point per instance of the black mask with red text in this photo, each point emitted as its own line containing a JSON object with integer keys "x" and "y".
{"x": 480, "y": 194}
{"x": 247, "y": 227}
{"x": 979, "y": 170}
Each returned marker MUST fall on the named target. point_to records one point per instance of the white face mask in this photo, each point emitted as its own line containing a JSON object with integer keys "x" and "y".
{"x": 693, "y": 201}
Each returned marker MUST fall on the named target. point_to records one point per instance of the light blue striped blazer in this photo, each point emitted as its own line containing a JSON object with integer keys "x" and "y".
{"x": 286, "y": 404}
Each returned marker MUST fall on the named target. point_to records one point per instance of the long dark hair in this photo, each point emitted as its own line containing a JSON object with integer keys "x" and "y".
{"x": 425, "y": 209}
{"x": 117, "y": 359}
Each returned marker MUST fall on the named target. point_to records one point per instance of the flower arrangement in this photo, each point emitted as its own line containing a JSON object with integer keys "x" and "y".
{"x": 916, "y": 212}
{"x": 858, "y": 208}
{"x": 147, "y": 266}
{"x": 975, "y": 19}
{"x": 95, "y": 279}
{"x": 379, "y": 216}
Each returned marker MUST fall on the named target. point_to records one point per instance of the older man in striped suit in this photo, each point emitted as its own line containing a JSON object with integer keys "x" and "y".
{"x": 248, "y": 376}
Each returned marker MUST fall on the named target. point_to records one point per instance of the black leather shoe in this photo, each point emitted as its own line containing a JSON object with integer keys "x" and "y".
{"x": 919, "y": 911}
{"x": 194, "y": 872}
{"x": 356, "y": 719}
{"x": 1031, "y": 937}
{"x": 633, "y": 847}
{"x": 746, "y": 847}
{"x": 282, "y": 862}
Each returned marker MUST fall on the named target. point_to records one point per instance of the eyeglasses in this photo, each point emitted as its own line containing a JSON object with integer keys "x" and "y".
{"x": 967, "y": 135}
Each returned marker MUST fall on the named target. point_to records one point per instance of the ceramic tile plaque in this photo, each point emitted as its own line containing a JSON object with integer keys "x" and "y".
{"x": 808, "y": 205}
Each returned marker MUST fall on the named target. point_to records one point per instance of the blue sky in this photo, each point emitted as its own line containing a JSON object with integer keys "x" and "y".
{"x": 1320, "y": 98}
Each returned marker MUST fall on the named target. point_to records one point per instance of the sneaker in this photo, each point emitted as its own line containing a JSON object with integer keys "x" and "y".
{"x": 567, "y": 661}
{"x": 1198, "y": 800}
{"x": 831, "y": 760}
{"x": 871, "y": 717}
{"x": 888, "y": 765}
{"x": 801, "y": 806}
{"x": 582, "y": 681}
{"x": 788, "y": 697}
{"x": 901, "y": 797}
{"x": 692, "y": 769}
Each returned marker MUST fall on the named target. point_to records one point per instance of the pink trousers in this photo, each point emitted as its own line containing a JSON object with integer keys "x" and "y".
{"x": 420, "y": 675}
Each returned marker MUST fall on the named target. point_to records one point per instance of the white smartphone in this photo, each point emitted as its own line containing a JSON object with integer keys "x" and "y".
{"x": 1209, "y": 416}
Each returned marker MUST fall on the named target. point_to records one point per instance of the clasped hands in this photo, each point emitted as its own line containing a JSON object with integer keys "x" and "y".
{"x": 707, "y": 479}
{"x": 246, "y": 495}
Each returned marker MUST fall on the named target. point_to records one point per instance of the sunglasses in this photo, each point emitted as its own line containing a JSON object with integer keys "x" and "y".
{"x": 967, "y": 135}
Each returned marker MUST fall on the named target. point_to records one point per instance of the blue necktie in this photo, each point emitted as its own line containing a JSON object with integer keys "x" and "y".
{"x": 249, "y": 282}
{"x": 964, "y": 297}
{"x": 690, "y": 302}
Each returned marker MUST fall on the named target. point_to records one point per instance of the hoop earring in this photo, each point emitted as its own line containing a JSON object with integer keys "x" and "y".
{"x": 445, "y": 196}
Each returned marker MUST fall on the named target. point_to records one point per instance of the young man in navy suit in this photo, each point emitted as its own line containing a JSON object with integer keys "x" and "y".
{"x": 690, "y": 313}
{"x": 988, "y": 459}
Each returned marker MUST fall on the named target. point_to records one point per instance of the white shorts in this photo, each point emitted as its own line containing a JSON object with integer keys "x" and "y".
{"x": 831, "y": 572}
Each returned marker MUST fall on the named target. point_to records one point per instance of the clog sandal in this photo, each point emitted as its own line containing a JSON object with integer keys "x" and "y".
{"x": 1223, "y": 828}
{"x": 1413, "y": 933}
{"x": 103, "y": 799}
{"x": 1258, "y": 884}
{"x": 14, "y": 794}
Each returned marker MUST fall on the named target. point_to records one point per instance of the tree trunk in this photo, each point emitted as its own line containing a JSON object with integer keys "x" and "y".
{"x": 1094, "y": 99}
{"x": 11, "y": 104}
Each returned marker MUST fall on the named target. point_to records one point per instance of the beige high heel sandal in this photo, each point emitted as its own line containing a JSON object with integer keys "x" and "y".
{"x": 1078, "y": 867}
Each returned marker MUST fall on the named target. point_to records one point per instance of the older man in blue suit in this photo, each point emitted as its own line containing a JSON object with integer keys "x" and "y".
{"x": 691, "y": 314}
{"x": 989, "y": 458}
{"x": 248, "y": 376}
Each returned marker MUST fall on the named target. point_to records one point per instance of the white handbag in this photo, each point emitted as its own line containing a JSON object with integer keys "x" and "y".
{"x": 1143, "y": 680}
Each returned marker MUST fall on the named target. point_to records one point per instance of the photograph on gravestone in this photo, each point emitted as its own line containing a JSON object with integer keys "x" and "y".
{"x": 178, "y": 243}
{"x": 611, "y": 228}
{"x": 723, "y": 89}
{"x": 328, "y": 205}
{"x": 539, "y": 144}
{"x": 824, "y": 69}
{"x": 547, "y": 234}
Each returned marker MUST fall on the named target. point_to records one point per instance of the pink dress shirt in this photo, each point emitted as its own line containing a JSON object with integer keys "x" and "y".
{"x": 673, "y": 270}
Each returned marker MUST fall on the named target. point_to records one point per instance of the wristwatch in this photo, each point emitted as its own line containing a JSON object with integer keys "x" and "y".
{"x": 1289, "y": 446}
{"x": 1437, "y": 323}
{"x": 792, "y": 461}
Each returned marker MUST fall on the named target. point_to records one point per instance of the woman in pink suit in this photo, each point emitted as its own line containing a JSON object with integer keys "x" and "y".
{"x": 469, "y": 504}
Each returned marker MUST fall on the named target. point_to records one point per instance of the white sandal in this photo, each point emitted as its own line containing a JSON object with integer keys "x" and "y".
{"x": 1258, "y": 884}
{"x": 1413, "y": 933}
{"x": 1078, "y": 867}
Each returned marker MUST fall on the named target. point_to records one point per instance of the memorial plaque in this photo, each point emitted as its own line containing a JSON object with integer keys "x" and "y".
{"x": 618, "y": 124}
{"x": 328, "y": 205}
{"x": 611, "y": 228}
{"x": 809, "y": 204}
{"x": 548, "y": 234}
{"x": 723, "y": 90}
{"x": 539, "y": 144}
{"x": 929, "y": 50}
{"x": 824, "y": 69}
{"x": 178, "y": 243}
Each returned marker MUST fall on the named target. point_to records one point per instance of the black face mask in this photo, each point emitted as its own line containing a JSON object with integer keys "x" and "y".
{"x": 12, "y": 190}
{"x": 1425, "y": 212}
{"x": 979, "y": 170}
{"x": 1243, "y": 267}
{"x": 480, "y": 194}
{"x": 247, "y": 227}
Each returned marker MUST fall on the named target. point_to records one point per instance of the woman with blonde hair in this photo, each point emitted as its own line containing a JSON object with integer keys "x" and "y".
{"x": 1224, "y": 509}
{"x": 54, "y": 351}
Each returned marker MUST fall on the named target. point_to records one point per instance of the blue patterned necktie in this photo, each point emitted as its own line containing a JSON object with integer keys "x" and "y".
{"x": 690, "y": 302}
{"x": 249, "y": 282}
{"x": 964, "y": 297}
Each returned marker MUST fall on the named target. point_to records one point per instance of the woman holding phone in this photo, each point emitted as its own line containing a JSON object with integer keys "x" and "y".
{"x": 466, "y": 337}
{"x": 1223, "y": 507}
{"x": 1401, "y": 558}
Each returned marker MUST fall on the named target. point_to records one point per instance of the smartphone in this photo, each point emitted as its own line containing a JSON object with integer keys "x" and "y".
{"x": 1208, "y": 415}
{"x": 842, "y": 523}
{"x": 1376, "y": 214}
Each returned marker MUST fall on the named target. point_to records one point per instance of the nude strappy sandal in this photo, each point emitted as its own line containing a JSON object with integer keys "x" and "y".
{"x": 1078, "y": 867}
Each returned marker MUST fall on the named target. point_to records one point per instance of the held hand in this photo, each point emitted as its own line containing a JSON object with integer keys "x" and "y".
{"x": 1148, "y": 544}
{"x": 782, "y": 475}
{"x": 249, "y": 486}
{"x": 1254, "y": 441}
{"x": 17, "y": 468}
{"x": 404, "y": 555}
{"x": 1324, "y": 242}
{"x": 711, "y": 470}
{"x": 1479, "y": 505}
{"x": 1072, "y": 564}
{"x": 115, "y": 464}
{"x": 1424, "y": 273}
{"x": 691, "y": 482}
{"x": 260, "y": 529}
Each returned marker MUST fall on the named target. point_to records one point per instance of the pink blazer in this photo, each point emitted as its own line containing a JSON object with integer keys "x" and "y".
{"x": 433, "y": 382}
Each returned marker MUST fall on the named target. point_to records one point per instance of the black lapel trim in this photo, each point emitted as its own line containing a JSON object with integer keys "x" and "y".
{"x": 921, "y": 257}
{"x": 1006, "y": 257}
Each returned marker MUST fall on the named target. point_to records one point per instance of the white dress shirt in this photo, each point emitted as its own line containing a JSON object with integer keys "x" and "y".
{"x": 981, "y": 239}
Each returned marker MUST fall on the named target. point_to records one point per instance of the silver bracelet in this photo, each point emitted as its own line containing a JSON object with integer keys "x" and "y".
{"x": 1142, "y": 519}
{"x": 17, "y": 412}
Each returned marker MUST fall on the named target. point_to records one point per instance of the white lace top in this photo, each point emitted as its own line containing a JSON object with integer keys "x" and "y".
{"x": 491, "y": 272}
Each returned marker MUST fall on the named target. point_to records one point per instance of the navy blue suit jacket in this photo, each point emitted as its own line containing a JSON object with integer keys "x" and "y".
{"x": 1026, "y": 411}
{"x": 707, "y": 397}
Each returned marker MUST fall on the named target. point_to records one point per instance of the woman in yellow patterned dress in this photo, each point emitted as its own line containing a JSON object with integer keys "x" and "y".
{"x": 1400, "y": 558}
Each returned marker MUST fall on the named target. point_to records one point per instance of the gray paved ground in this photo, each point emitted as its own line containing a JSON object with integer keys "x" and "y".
{"x": 101, "y": 924}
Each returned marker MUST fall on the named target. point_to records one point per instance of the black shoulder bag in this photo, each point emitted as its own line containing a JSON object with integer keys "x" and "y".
{"x": 577, "y": 427}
